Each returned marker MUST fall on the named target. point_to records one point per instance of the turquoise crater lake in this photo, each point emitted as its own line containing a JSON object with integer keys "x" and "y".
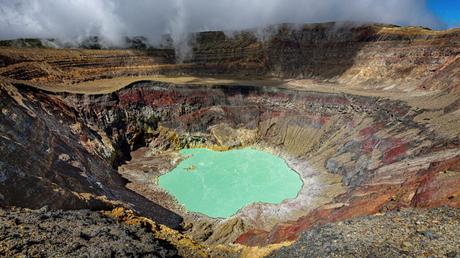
{"x": 218, "y": 184}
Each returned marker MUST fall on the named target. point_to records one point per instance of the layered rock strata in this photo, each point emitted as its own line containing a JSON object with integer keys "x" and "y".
{"x": 372, "y": 56}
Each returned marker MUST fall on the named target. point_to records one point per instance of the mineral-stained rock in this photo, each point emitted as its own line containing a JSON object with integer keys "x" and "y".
{"x": 228, "y": 136}
{"x": 382, "y": 170}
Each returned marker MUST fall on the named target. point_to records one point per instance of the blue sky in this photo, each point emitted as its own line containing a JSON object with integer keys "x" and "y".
{"x": 447, "y": 10}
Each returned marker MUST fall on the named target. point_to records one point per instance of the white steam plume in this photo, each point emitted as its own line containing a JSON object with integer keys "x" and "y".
{"x": 112, "y": 20}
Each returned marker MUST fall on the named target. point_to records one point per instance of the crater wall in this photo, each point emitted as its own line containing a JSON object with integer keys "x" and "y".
{"x": 385, "y": 159}
{"x": 376, "y": 122}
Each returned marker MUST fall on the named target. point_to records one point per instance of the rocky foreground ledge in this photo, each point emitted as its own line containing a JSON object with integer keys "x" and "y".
{"x": 42, "y": 233}
{"x": 83, "y": 233}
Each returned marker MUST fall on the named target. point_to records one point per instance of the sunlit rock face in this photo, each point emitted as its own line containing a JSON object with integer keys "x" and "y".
{"x": 370, "y": 124}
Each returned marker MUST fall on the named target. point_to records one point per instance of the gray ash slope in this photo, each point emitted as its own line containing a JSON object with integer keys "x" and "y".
{"x": 405, "y": 233}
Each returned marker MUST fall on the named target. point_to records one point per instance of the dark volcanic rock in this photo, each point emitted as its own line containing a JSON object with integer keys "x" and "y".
{"x": 42, "y": 233}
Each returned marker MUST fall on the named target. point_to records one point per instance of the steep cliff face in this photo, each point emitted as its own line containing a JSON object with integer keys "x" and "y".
{"x": 52, "y": 158}
{"x": 371, "y": 123}
{"x": 373, "y": 55}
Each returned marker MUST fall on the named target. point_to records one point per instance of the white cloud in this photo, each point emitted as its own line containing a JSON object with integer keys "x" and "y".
{"x": 113, "y": 19}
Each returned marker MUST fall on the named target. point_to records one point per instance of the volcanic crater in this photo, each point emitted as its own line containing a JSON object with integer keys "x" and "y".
{"x": 368, "y": 116}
